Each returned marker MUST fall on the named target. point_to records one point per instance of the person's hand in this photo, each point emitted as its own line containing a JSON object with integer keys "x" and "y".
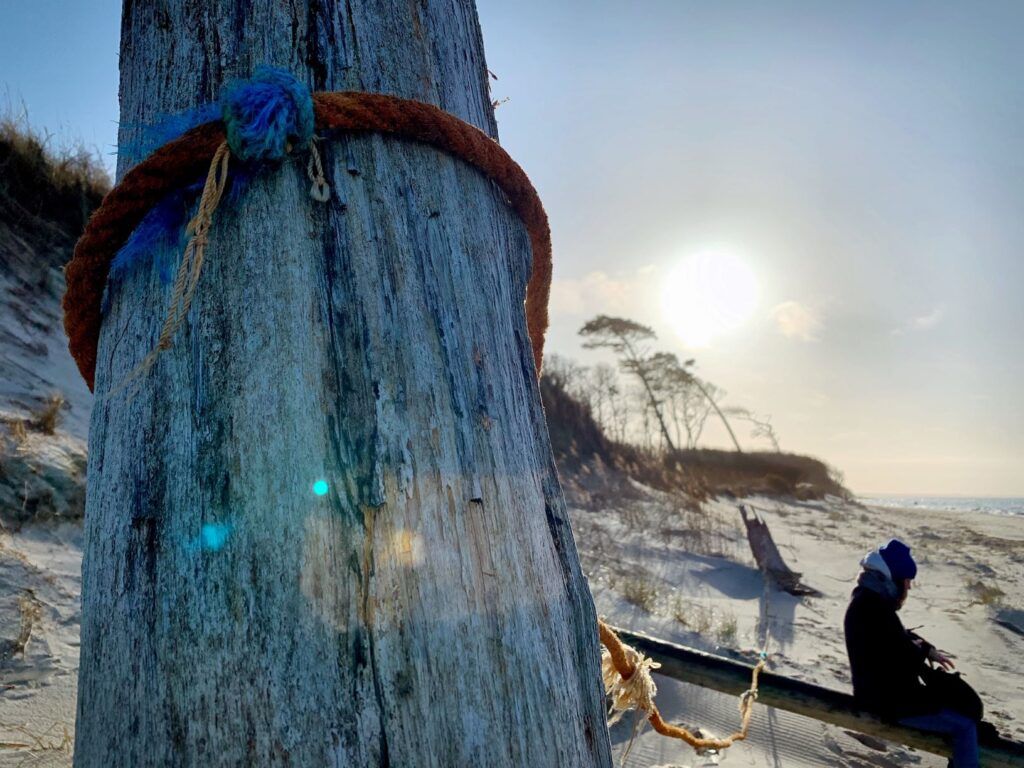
{"x": 944, "y": 660}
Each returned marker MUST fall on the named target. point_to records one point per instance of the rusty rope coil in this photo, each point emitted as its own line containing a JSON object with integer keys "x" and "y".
{"x": 180, "y": 162}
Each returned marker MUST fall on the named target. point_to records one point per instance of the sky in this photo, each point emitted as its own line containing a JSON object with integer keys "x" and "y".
{"x": 856, "y": 169}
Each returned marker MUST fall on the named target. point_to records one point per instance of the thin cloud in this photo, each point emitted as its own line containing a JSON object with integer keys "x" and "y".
{"x": 930, "y": 320}
{"x": 596, "y": 292}
{"x": 922, "y": 322}
{"x": 797, "y": 321}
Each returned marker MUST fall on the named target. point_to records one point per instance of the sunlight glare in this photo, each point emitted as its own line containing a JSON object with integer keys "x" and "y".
{"x": 708, "y": 295}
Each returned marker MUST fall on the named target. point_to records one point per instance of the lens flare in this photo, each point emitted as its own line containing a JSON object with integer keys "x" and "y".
{"x": 320, "y": 487}
{"x": 214, "y": 536}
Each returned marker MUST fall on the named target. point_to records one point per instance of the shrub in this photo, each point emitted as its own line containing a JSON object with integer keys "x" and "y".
{"x": 984, "y": 594}
{"x": 639, "y": 591}
{"x": 47, "y": 417}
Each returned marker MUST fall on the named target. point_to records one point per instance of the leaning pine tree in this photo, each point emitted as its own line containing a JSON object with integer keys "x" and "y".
{"x": 324, "y": 526}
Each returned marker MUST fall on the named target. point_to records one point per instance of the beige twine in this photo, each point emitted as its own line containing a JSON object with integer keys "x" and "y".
{"x": 198, "y": 230}
{"x": 187, "y": 278}
{"x": 319, "y": 190}
{"x": 637, "y": 692}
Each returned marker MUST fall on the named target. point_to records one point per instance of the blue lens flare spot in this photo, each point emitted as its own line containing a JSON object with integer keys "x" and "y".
{"x": 214, "y": 536}
{"x": 320, "y": 487}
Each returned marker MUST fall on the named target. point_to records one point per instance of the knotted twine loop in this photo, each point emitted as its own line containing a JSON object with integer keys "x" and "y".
{"x": 633, "y": 692}
{"x": 266, "y": 117}
{"x": 187, "y": 278}
{"x": 262, "y": 118}
{"x": 319, "y": 191}
{"x": 628, "y": 682}
{"x": 637, "y": 691}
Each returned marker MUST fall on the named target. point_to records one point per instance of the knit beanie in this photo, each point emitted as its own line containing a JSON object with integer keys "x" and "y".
{"x": 897, "y": 556}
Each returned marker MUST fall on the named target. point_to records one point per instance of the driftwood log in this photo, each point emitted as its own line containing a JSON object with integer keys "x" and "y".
{"x": 768, "y": 557}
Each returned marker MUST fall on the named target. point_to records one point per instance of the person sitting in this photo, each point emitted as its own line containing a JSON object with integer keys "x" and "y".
{"x": 887, "y": 661}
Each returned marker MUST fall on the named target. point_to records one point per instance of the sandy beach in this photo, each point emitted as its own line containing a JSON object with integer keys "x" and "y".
{"x": 685, "y": 575}
{"x": 697, "y": 584}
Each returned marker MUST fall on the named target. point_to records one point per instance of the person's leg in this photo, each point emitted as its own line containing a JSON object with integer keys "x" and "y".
{"x": 962, "y": 729}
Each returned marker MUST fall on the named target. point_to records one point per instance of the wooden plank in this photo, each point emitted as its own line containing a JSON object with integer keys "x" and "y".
{"x": 814, "y": 701}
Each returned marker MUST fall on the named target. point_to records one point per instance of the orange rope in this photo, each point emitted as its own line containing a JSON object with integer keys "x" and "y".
{"x": 621, "y": 654}
{"x": 179, "y": 162}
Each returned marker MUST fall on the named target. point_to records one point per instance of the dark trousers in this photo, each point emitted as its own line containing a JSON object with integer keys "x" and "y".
{"x": 962, "y": 729}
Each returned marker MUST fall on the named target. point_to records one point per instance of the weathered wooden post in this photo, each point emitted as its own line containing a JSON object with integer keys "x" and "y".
{"x": 325, "y": 528}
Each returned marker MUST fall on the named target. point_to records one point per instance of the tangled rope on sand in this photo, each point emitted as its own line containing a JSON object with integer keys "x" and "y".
{"x": 629, "y": 685}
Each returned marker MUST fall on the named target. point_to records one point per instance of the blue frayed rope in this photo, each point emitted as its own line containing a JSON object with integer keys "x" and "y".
{"x": 146, "y": 139}
{"x": 264, "y": 117}
{"x": 267, "y": 115}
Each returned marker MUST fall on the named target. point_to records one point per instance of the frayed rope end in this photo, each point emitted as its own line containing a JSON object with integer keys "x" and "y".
{"x": 267, "y": 115}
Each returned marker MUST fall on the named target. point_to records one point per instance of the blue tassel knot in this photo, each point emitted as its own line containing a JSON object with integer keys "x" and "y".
{"x": 262, "y": 117}
{"x": 267, "y": 115}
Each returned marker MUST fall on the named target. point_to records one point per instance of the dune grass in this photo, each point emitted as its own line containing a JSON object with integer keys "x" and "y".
{"x": 43, "y": 182}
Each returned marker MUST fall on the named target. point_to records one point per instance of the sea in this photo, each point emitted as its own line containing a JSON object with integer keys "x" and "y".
{"x": 1013, "y": 507}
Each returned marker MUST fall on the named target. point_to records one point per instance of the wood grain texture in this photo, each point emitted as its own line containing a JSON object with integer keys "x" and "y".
{"x": 429, "y": 609}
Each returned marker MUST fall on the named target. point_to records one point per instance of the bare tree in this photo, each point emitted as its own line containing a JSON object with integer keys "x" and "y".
{"x": 606, "y": 388}
{"x": 761, "y": 426}
{"x": 698, "y": 407}
{"x": 690, "y": 410}
{"x": 668, "y": 375}
{"x": 570, "y": 376}
{"x": 629, "y": 341}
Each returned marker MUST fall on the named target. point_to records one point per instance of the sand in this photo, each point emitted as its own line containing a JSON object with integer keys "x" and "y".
{"x": 658, "y": 568}
{"x": 40, "y": 590}
{"x": 716, "y": 590}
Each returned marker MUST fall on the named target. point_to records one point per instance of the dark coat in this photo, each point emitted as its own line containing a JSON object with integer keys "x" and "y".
{"x": 885, "y": 662}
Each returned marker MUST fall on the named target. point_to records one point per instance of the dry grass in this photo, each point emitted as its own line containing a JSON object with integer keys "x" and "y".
{"x": 17, "y": 431}
{"x": 698, "y": 530}
{"x": 48, "y": 416}
{"x": 695, "y": 617}
{"x": 42, "y": 183}
{"x": 45, "y": 419}
{"x": 31, "y": 612}
{"x": 704, "y": 621}
{"x": 985, "y": 594}
{"x": 56, "y": 738}
{"x": 641, "y": 592}
{"x": 726, "y": 631}
{"x": 770, "y": 473}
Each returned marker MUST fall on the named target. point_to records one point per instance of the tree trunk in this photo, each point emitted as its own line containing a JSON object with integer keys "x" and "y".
{"x": 429, "y": 609}
{"x": 637, "y": 362}
{"x": 721, "y": 416}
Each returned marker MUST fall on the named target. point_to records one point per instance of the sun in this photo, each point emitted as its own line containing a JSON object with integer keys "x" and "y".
{"x": 709, "y": 294}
